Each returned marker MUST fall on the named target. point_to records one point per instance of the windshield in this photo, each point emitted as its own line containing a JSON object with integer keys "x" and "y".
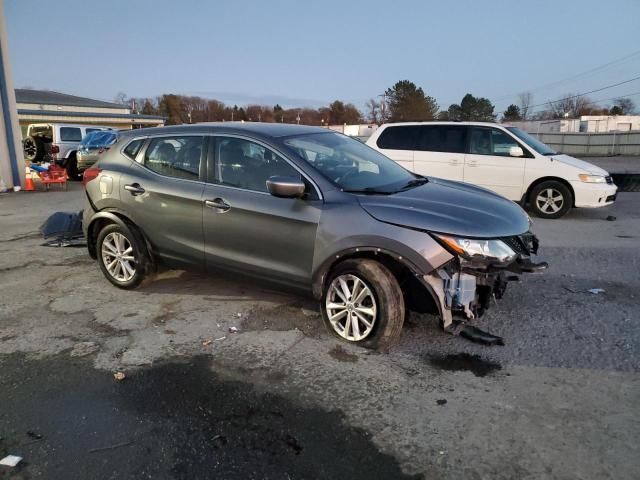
{"x": 99, "y": 139}
{"x": 351, "y": 165}
{"x": 533, "y": 142}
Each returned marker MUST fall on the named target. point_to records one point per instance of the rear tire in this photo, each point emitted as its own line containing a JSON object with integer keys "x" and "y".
{"x": 550, "y": 199}
{"x": 122, "y": 256}
{"x": 363, "y": 304}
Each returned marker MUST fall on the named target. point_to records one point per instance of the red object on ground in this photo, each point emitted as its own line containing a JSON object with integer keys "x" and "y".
{"x": 28, "y": 183}
{"x": 55, "y": 174}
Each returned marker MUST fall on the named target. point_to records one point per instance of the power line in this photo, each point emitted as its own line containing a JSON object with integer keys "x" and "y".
{"x": 599, "y": 100}
{"x": 573, "y": 77}
{"x": 551, "y": 102}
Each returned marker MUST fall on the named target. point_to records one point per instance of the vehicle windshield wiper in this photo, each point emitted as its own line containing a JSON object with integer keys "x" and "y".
{"x": 416, "y": 182}
{"x": 368, "y": 191}
{"x": 548, "y": 154}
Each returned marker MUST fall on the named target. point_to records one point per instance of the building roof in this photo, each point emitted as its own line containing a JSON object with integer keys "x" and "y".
{"x": 56, "y": 113}
{"x": 46, "y": 97}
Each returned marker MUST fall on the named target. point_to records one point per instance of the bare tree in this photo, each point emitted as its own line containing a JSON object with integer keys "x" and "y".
{"x": 525, "y": 99}
{"x": 625, "y": 105}
{"x": 121, "y": 98}
{"x": 572, "y": 106}
{"x": 374, "y": 114}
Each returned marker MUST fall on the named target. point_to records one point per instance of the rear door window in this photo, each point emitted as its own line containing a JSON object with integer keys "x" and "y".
{"x": 399, "y": 138}
{"x": 70, "y": 134}
{"x": 442, "y": 138}
{"x": 177, "y": 157}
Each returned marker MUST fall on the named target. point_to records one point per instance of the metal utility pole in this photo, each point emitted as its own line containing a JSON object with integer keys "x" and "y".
{"x": 12, "y": 167}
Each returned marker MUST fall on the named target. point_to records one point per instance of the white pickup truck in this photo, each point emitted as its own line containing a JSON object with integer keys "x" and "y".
{"x": 56, "y": 142}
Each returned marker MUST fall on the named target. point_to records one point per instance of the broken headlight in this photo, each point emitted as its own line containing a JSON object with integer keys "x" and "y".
{"x": 471, "y": 248}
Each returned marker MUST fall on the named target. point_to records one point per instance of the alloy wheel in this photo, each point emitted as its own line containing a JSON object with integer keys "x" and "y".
{"x": 549, "y": 200}
{"x": 351, "y": 307}
{"x": 30, "y": 148}
{"x": 117, "y": 256}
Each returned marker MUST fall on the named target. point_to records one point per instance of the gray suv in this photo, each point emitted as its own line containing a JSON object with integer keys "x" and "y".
{"x": 308, "y": 208}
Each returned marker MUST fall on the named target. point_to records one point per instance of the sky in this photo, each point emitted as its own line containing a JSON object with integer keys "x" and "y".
{"x": 309, "y": 53}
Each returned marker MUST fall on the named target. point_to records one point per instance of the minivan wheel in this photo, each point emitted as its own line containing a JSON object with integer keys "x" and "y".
{"x": 120, "y": 256}
{"x": 550, "y": 199}
{"x": 363, "y": 304}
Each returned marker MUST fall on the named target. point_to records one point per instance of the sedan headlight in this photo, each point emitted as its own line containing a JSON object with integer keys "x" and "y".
{"x": 586, "y": 178}
{"x": 470, "y": 248}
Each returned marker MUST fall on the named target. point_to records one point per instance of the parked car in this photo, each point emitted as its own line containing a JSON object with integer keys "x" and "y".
{"x": 308, "y": 208}
{"x": 56, "y": 142}
{"x": 500, "y": 158}
{"x": 93, "y": 146}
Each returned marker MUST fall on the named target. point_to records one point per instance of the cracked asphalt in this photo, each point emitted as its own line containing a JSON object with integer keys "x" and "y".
{"x": 282, "y": 399}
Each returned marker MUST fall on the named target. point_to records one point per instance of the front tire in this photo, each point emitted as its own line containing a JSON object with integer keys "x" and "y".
{"x": 72, "y": 168}
{"x": 550, "y": 199}
{"x": 363, "y": 304}
{"x": 121, "y": 256}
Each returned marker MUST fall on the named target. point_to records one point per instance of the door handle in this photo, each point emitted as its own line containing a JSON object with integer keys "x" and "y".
{"x": 472, "y": 163}
{"x": 218, "y": 204}
{"x": 134, "y": 189}
{"x": 453, "y": 161}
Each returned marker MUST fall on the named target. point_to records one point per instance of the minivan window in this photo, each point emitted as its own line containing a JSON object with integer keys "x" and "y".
{"x": 442, "y": 138}
{"x": 351, "y": 165}
{"x": 399, "y": 138}
{"x": 533, "y": 142}
{"x": 70, "y": 134}
{"x": 177, "y": 157}
{"x": 248, "y": 165}
{"x": 490, "y": 141}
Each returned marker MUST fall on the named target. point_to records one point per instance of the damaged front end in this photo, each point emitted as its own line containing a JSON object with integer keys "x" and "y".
{"x": 478, "y": 273}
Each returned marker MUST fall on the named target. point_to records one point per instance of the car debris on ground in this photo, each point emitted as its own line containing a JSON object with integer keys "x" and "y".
{"x": 119, "y": 376}
{"x": 10, "y": 460}
{"x": 596, "y": 291}
{"x": 63, "y": 229}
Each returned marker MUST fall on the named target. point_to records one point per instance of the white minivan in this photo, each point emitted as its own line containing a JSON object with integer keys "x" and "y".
{"x": 500, "y": 158}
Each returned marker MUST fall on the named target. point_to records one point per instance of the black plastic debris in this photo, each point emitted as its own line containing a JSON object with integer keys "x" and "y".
{"x": 476, "y": 335}
{"x": 63, "y": 229}
{"x": 611, "y": 218}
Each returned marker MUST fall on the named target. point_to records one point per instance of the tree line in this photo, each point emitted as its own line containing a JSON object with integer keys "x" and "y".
{"x": 403, "y": 102}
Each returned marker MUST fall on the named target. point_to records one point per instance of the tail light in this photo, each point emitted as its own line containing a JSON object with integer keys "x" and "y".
{"x": 90, "y": 174}
{"x": 55, "y": 149}
{"x": 103, "y": 149}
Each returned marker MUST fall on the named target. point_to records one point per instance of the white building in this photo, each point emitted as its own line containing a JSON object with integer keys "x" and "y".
{"x": 584, "y": 124}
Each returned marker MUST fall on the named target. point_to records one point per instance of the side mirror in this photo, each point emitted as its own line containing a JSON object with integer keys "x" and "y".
{"x": 286, "y": 187}
{"x": 516, "y": 152}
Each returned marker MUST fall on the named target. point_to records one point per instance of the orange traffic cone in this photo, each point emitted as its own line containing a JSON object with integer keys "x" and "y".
{"x": 28, "y": 182}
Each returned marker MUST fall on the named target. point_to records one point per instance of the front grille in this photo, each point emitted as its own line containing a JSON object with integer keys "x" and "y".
{"x": 524, "y": 244}
{"x": 609, "y": 179}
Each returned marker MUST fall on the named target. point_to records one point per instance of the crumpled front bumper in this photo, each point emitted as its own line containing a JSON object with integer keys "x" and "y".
{"x": 464, "y": 289}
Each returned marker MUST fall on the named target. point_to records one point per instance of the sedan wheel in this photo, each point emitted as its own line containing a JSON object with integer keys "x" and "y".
{"x": 117, "y": 256}
{"x": 351, "y": 307}
{"x": 122, "y": 256}
{"x": 550, "y": 200}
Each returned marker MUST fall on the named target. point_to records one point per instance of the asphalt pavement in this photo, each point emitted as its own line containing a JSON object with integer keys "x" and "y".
{"x": 282, "y": 399}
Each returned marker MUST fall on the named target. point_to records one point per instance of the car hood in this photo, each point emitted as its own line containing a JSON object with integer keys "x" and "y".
{"x": 581, "y": 164}
{"x": 445, "y": 206}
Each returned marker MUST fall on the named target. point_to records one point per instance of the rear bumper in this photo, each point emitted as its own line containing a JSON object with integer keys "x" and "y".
{"x": 594, "y": 195}
{"x": 85, "y": 161}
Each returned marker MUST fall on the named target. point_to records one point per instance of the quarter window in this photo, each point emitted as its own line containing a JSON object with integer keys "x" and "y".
{"x": 442, "y": 138}
{"x": 133, "y": 148}
{"x": 399, "y": 138}
{"x": 248, "y": 165}
{"x": 177, "y": 157}
{"x": 70, "y": 134}
{"x": 489, "y": 141}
